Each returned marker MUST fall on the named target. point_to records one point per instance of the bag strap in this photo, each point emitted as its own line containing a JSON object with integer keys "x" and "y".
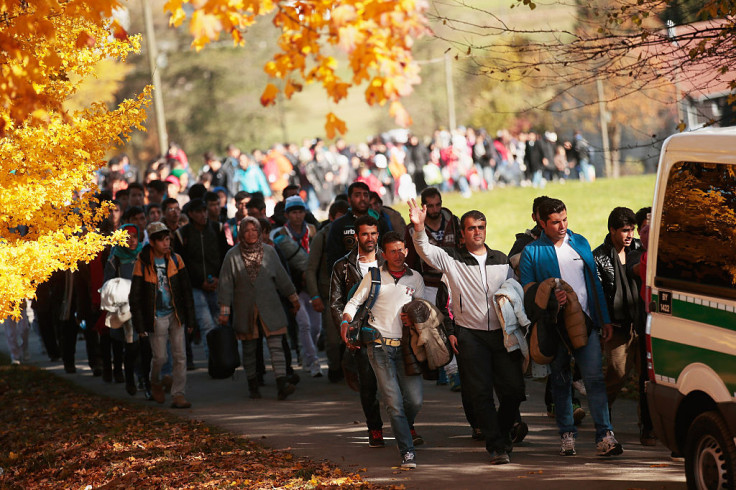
{"x": 375, "y": 287}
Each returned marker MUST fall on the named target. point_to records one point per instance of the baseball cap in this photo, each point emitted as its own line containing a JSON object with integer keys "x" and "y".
{"x": 155, "y": 227}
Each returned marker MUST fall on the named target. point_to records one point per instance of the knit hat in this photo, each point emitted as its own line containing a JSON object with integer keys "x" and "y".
{"x": 294, "y": 203}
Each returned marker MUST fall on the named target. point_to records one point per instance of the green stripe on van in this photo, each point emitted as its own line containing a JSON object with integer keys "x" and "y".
{"x": 670, "y": 358}
{"x": 701, "y": 313}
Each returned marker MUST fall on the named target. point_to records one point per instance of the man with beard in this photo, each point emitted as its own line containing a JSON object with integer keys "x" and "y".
{"x": 346, "y": 275}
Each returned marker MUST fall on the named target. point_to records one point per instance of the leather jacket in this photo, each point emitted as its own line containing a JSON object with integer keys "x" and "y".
{"x": 346, "y": 276}
{"x": 603, "y": 256}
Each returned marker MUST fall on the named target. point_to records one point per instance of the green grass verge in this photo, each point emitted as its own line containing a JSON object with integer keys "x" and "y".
{"x": 508, "y": 210}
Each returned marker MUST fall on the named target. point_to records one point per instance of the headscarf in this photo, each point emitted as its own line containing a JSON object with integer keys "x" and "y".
{"x": 125, "y": 254}
{"x": 252, "y": 254}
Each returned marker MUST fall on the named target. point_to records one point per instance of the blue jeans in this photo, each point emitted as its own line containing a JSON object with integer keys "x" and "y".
{"x": 206, "y": 310}
{"x": 401, "y": 394}
{"x": 588, "y": 359}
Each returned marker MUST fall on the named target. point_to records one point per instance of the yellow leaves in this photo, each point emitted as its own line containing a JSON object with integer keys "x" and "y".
{"x": 204, "y": 28}
{"x": 334, "y": 124}
{"x": 269, "y": 95}
{"x": 177, "y": 12}
{"x": 48, "y": 156}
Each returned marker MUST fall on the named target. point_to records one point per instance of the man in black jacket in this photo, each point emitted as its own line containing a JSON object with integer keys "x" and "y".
{"x": 342, "y": 237}
{"x": 202, "y": 245}
{"x": 346, "y": 275}
{"x": 162, "y": 309}
{"x": 621, "y": 292}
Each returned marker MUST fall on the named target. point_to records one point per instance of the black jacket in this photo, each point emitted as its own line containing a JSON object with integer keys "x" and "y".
{"x": 604, "y": 256}
{"x": 345, "y": 276}
{"x": 144, "y": 289}
{"x": 342, "y": 238}
{"x": 202, "y": 251}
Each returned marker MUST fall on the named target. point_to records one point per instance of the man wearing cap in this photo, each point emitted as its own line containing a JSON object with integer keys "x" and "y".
{"x": 293, "y": 240}
{"x": 163, "y": 309}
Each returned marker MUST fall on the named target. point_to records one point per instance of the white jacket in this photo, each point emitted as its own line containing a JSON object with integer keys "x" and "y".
{"x": 509, "y": 305}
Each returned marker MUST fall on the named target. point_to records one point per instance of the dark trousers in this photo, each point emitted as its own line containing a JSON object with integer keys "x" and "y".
{"x": 135, "y": 351}
{"x": 368, "y": 389}
{"x": 111, "y": 352}
{"x": 488, "y": 367}
{"x": 45, "y": 316}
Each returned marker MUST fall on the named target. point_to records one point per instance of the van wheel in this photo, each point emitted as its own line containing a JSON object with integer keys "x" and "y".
{"x": 710, "y": 454}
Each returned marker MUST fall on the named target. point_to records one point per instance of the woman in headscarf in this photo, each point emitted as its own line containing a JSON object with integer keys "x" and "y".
{"x": 251, "y": 279}
{"x": 126, "y": 346}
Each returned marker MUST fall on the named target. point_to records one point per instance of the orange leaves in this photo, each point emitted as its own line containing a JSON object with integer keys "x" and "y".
{"x": 268, "y": 97}
{"x": 334, "y": 125}
{"x": 85, "y": 40}
{"x": 400, "y": 115}
{"x": 375, "y": 35}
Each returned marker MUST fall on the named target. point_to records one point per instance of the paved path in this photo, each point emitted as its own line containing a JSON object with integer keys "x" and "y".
{"x": 323, "y": 421}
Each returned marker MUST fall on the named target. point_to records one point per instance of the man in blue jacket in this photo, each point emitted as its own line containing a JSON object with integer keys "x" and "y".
{"x": 560, "y": 253}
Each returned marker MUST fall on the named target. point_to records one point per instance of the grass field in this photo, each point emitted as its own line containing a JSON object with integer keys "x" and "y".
{"x": 508, "y": 210}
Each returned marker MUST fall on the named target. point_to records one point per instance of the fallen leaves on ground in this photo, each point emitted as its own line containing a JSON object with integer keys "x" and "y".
{"x": 55, "y": 434}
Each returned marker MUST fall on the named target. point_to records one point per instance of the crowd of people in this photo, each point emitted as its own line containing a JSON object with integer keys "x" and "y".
{"x": 196, "y": 260}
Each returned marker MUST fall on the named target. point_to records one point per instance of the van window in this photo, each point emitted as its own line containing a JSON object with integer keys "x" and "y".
{"x": 697, "y": 235}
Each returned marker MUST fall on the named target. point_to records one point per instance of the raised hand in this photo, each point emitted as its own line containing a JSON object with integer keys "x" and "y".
{"x": 417, "y": 215}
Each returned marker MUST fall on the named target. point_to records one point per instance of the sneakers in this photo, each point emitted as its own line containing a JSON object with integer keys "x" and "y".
{"x": 500, "y": 458}
{"x": 157, "y": 392}
{"x": 455, "y": 384}
{"x": 416, "y": 438}
{"x": 409, "y": 460}
{"x": 519, "y": 432}
{"x": 375, "y": 438}
{"x": 315, "y": 371}
{"x": 567, "y": 445}
{"x": 609, "y": 446}
{"x": 180, "y": 402}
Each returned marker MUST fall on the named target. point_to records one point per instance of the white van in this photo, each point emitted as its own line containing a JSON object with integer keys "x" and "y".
{"x": 691, "y": 325}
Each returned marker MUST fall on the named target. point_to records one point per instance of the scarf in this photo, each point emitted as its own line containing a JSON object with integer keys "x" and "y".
{"x": 122, "y": 252}
{"x": 252, "y": 254}
{"x": 302, "y": 238}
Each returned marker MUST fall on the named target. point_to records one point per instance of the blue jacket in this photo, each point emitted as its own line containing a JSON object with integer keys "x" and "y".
{"x": 539, "y": 262}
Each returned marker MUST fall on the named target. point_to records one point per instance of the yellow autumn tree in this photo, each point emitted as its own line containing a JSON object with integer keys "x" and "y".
{"x": 375, "y": 35}
{"x": 48, "y": 156}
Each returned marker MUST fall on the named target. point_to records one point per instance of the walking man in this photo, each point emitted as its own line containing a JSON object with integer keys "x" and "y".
{"x": 474, "y": 273}
{"x": 401, "y": 392}
{"x": 560, "y": 253}
{"x": 347, "y": 273}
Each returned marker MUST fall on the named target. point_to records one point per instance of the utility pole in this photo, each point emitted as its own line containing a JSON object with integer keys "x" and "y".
{"x": 158, "y": 98}
{"x": 603, "y": 114}
{"x": 450, "y": 91}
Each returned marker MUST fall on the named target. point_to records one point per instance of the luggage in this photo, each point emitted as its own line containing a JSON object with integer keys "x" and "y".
{"x": 224, "y": 356}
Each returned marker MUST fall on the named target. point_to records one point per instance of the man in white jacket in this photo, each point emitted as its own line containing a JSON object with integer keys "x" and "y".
{"x": 474, "y": 273}
{"x": 401, "y": 393}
